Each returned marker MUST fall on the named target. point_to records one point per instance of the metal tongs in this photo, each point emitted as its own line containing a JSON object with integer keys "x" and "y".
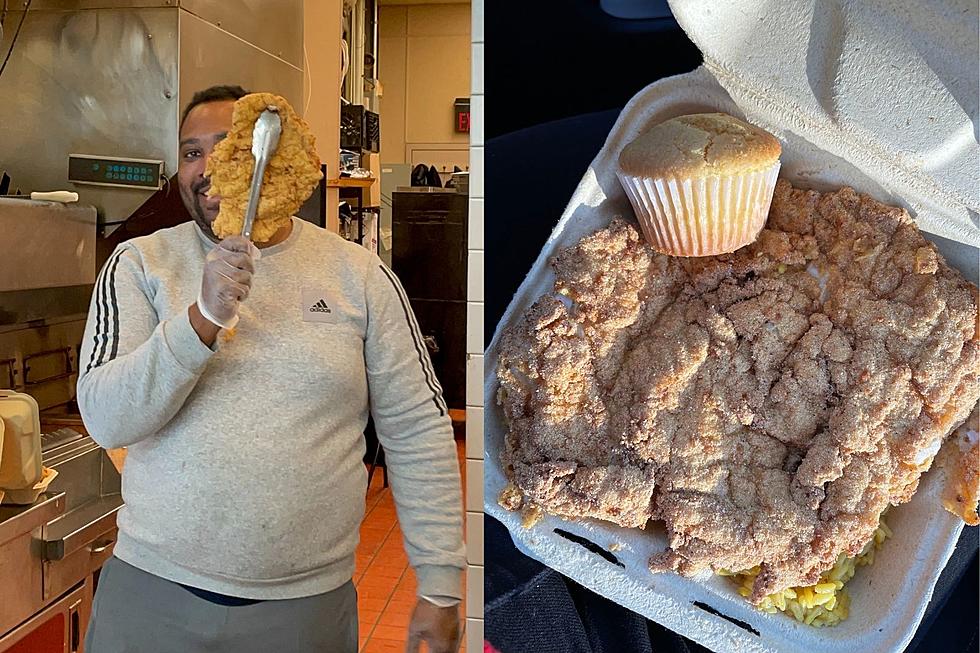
{"x": 265, "y": 139}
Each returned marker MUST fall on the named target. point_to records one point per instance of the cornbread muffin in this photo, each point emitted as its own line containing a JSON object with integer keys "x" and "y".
{"x": 701, "y": 184}
{"x": 290, "y": 176}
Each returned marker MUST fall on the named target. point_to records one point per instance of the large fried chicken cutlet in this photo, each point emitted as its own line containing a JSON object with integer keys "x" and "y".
{"x": 767, "y": 405}
{"x": 290, "y": 176}
{"x": 961, "y": 493}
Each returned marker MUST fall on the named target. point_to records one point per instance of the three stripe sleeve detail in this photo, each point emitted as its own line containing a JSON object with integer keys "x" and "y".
{"x": 106, "y": 316}
{"x": 430, "y": 377}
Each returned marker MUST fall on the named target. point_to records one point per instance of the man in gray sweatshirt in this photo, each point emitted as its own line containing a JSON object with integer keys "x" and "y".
{"x": 244, "y": 484}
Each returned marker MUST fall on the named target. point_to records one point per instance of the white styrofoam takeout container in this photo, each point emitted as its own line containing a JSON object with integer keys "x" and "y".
{"x": 880, "y": 99}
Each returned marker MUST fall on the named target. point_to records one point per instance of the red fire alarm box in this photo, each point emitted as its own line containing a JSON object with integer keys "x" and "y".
{"x": 462, "y": 113}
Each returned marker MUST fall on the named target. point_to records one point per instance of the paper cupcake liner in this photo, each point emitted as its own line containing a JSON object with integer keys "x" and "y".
{"x": 701, "y": 217}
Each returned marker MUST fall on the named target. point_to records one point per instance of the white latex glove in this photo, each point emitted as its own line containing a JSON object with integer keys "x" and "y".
{"x": 227, "y": 280}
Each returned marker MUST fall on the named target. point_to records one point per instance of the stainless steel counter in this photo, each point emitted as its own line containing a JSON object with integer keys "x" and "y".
{"x": 17, "y": 520}
{"x": 21, "y": 567}
{"x": 51, "y": 548}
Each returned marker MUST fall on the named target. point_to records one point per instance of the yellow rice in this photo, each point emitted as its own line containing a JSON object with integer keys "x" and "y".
{"x": 826, "y": 603}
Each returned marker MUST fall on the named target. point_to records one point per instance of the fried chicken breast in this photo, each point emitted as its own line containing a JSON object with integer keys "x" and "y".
{"x": 962, "y": 491}
{"x": 767, "y": 405}
{"x": 290, "y": 176}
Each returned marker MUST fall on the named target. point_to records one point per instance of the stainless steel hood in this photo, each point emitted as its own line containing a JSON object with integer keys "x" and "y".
{"x": 110, "y": 78}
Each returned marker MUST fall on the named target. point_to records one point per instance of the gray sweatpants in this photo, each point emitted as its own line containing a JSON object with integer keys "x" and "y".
{"x": 137, "y": 612}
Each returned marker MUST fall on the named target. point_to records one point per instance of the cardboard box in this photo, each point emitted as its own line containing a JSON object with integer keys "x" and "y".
{"x": 372, "y": 162}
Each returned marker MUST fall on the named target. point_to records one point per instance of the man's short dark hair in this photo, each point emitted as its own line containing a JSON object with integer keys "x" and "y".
{"x": 213, "y": 94}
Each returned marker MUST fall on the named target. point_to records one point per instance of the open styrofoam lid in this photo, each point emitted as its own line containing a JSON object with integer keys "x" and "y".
{"x": 889, "y": 86}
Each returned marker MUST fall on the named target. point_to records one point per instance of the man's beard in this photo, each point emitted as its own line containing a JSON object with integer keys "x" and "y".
{"x": 196, "y": 208}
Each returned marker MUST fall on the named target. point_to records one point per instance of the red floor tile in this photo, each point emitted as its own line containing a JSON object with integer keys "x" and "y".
{"x": 394, "y": 633}
{"x": 370, "y": 582}
{"x": 384, "y": 646}
{"x": 396, "y": 607}
{"x": 372, "y": 605}
{"x": 394, "y": 619}
{"x": 386, "y": 585}
{"x": 372, "y": 592}
{"x": 393, "y": 574}
{"x": 371, "y": 549}
{"x": 407, "y": 584}
{"x": 408, "y": 593}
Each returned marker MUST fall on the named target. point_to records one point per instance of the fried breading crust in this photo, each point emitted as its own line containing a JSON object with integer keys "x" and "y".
{"x": 767, "y": 405}
{"x": 962, "y": 491}
{"x": 290, "y": 176}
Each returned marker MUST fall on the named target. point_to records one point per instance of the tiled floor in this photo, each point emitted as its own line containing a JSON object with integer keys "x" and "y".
{"x": 385, "y": 582}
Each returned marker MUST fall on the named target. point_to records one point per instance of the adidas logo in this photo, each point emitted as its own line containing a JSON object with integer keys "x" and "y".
{"x": 320, "y": 307}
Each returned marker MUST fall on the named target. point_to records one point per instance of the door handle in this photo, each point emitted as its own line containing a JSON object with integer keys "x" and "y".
{"x": 75, "y": 638}
{"x": 100, "y": 548}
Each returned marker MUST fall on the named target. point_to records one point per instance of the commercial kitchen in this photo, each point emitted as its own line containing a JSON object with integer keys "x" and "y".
{"x": 92, "y": 94}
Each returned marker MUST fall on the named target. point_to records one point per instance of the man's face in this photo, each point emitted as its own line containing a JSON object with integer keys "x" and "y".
{"x": 205, "y": 125}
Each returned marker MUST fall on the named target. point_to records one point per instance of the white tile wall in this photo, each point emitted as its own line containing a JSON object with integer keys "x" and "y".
{"x": 474, "y": 537}
{"x": 474, "y": 635}
{"x": 474, "y": 276}
{"x": 476, "y": 29}
{"x": 474, "y": 328}
{"x": 474, "y": 379}
{"x": 475, "y": 235}
{"x": 476, "y": 79}
{"x": 476, "y": 172}
{"x": 474, "y": 432}
{"x": 474, "y": 592}
{"x": 476, "y": 120}
{"x": 474, "y": 485}
{"x": 474, "y": 348}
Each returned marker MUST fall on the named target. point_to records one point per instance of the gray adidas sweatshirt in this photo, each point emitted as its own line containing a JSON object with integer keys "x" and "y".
{"x": 244, "y": 473}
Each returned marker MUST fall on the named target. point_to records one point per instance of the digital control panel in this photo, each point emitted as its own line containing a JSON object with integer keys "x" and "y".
{"x": 115, "y": 171}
